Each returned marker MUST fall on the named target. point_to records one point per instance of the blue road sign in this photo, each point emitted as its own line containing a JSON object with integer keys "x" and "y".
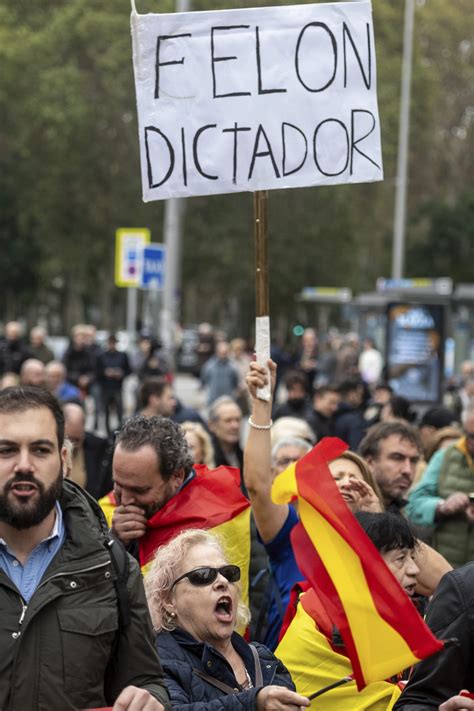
{"x": 153, "y": 274}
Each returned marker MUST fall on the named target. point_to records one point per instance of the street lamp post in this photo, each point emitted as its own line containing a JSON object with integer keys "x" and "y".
{"x": 172, "y": 236}
{"x": 398, "y": 253}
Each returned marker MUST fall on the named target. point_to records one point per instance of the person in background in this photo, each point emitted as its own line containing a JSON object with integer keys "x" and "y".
{"x": 434, "y": 419}
{"x": 441, "y": 439}
{"x": 325, "y": 403}
{"x": 32, "y": 373}
{"x": 370, "y": 362}
{"x": 94, "y": 389}
{"x": 225, "y": 418}
{"x": 348, "y": 358}
{"x": 444, "y": 497}
{"x": 350, "y": 424}
{"x": 205, "y": 346}
{"x": 78, "y": 360}
{"x": 90, "y": 454}
{"x": 240, "y": 359}
{"x": 291, "y": 427}
{"x": 327, "y": 361}
{"x": 13, "y": 350}
{"x": 463, "y": 395}
{"x": 8, "y": 380}
{"x": 184, "y": 413}
{"x": 150, "y": 360}
{"x": 194, "y": 598}
{"x": 298, "y": 403}
{"x": 307, "y": 357}
{"x": 156, "y": 397}
{"x": 382, "y": 393}
{"x": 398, "y": 408}
{"x": 112, "y": 369}
{"x": 56, "y": 383}
{"x": 199, "y": 443}
{"x": 219, "y": 375}
{"x": 38, "y": 346}
{"x": 392, "y": 451}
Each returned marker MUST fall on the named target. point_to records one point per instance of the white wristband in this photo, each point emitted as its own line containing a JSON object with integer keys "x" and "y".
{"x": 260, "y": 427}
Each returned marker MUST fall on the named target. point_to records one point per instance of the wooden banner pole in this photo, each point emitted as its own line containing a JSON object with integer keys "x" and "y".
{"x": 262, "y": 307}
{"x": 262, "y": 300}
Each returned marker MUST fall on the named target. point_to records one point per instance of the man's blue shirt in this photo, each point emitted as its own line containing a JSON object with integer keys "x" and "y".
{"x": 27, "y": 577}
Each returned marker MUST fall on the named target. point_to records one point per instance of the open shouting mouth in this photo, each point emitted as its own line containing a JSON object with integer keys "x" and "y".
{"x": 223, "y": 609}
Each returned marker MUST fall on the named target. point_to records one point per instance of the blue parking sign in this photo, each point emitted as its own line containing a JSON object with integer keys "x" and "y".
{"x": 153, "y": 274}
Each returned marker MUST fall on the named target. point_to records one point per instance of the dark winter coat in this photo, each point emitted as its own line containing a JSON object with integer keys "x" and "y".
{"x": 66, "y": 649}
{"x": 350, "y": 425}
{"x": 450, "y": 615}
{"x": 180, "y": 654}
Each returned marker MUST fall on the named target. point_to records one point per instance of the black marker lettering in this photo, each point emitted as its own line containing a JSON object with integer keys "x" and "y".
{"x": 367, "y": 77}
{"x": 150, "y": 130}
{"x": 297, "y": 55}
{"x": 235, "y": 131}
{"x": 195, "y": 151}
{"x": 268, "y": 152}
{"x": 315, "y": 150}
{"x": 261, "y": 90}
{"x": 159, "y": 64}
{"x": 183, "y": 148}
{"x": 355, "y": 142}
{"x": 283, "y": 140}
{"x": 215, "y": 59}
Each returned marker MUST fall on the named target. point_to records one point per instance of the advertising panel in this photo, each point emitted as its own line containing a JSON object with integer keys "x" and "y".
{"x": 415, "y": 350}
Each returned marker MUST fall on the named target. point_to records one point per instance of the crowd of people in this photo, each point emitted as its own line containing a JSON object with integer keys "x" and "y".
{"x": 185, "y": 495}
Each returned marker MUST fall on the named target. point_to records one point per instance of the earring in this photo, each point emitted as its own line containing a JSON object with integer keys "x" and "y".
{"x": 172, "y": 614}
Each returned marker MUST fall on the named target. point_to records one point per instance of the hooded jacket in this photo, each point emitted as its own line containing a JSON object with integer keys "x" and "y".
{"x": 66, "y": 648}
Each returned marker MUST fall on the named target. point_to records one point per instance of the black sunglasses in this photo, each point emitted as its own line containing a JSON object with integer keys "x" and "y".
{"x": 206, "y": 575}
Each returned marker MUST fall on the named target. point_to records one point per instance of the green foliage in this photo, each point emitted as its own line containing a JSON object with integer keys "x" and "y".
{"x": 69, "y": 170}
{"x": 445, "y": 248}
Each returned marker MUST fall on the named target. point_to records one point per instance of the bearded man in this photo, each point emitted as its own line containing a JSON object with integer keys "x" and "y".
{"x": 61, "y": 640}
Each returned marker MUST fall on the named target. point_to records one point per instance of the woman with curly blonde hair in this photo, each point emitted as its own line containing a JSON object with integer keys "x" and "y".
{"x": 194, "y": 598}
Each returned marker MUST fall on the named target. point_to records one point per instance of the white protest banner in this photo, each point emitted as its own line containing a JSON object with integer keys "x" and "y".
{"x": 256, "y": 99}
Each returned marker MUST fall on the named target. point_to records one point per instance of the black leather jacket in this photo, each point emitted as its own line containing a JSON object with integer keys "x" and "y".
{"x": 450, "y": 614}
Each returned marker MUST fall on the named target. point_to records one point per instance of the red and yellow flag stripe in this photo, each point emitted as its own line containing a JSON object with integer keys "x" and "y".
{"x": 382, "y": 631}
{"x": 212, "y": 500}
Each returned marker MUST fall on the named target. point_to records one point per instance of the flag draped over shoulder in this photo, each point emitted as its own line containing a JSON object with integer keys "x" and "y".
{"x": 381, "y": 629}
{"x": 314, "y": 664}
{"x": 212, "y": 500}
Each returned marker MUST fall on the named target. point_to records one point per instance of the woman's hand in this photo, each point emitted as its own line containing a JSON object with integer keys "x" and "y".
{"x": 365, "y": 497}
{"x": 277, "y": 698}
{"x": 257, "y": 377}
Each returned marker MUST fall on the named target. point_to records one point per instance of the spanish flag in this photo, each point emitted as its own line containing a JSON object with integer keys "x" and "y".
{"x": 212, "y": 500}
{"x": 314, "y": 665}
{"x": 381, "y": 629}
